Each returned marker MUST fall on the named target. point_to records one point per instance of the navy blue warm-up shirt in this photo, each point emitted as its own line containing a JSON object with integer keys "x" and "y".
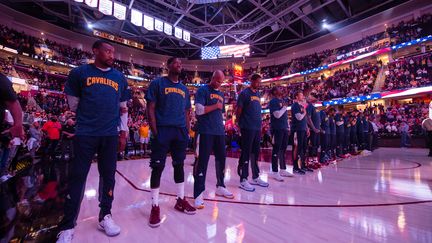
{"x": 325, "y": 122}
{"x": 212, "y": 122}
{"x": 251, "y": 114}
{"x": 277, "y": 123}
{"x": 314, "y": 114}
{"x": 341, "y": 128}
{"x": 172, "y": 99}
{"x": 100, "y": 93}
{"x": 332, "y": 124}
{"x": 298, "y": 125}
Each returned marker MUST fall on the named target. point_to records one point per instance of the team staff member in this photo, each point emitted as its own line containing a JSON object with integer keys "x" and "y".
{"x": 314, "y": 124}
{"x": 299, "y": 130}
{"x": 280, "y": 133}
{"x": 249, "y": 118}
{"x": 427, "y": 126}
{"x": 210, "y": 104}
{"x": 96, "y": 92}
{"x": 168, "y": 108}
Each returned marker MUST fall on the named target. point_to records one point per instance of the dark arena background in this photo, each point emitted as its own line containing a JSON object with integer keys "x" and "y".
{"x": 329, "y": 101}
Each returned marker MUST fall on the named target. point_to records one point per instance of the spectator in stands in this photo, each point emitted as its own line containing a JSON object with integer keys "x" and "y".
{"x": 410, "y": 30}
{"x": 410, "y": 72}
{"x": 68, "y": 133}
{"x": 35, "y": 139}
{"x": 144, "y": 137}
{"x": 52, "y": 130}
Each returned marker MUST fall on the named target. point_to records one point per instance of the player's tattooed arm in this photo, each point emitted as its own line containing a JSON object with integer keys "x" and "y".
{"x": 151, "y": 109}
{"x": 187, "y": 111}
{"x": 310, "y": 124}
{"x": 239, "y": 111}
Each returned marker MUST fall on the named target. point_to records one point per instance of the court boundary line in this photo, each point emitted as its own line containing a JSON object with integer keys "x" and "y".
{"x": 417, "y": 165}
{"x": 281, "y": 204}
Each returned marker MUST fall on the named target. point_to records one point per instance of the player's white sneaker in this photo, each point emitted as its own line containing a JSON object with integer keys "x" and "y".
{"x": 199, "y": 202}
{"x": 65, "y": 236}
{"x": 223, "y": 192}
{"x": 245, "y": 185}
{"x": 5, "y": 177}
{"x": 277, "y": 176}
{"x": 109, "y": 226}
{"x": 259, "y": 182}
{"x": 285, "y": 173}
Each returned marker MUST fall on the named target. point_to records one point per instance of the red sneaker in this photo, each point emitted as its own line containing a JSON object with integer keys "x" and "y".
{"x": 155, "y": 217}
{"x": 183, "y": 206}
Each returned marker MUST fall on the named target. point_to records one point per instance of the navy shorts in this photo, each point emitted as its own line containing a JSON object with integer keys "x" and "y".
{"x": 169, "y": 139}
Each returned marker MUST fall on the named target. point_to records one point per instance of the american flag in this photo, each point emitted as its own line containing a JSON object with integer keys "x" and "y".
{"x": 211, "y": 52}
{"x": 214, "y": 52}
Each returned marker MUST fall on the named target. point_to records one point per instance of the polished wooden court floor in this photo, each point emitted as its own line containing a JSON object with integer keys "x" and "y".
{"x": 382, "y": 197}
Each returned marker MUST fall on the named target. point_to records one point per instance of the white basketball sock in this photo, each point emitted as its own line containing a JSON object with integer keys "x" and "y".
{"x": 180, "y": 188}
{"x": 155, "y": 196}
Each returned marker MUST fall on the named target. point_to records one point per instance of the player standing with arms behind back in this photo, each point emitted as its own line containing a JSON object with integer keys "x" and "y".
{"x": 169, "y": 115}
{"x": 249, "y": 118}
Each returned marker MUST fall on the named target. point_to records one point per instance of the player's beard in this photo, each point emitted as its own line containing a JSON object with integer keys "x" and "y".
{"x": 175, "y": 72}
{"x": 109, "y": 63}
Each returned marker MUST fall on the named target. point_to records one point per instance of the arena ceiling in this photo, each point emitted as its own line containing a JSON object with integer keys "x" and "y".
{"x": 267, "y": 25}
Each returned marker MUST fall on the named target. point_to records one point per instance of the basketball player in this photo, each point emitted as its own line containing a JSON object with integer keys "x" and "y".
{"x": 280, "y": 133}
{"x": 340, "y": 133}
{"x": 325, "y": 137}
{"x": 210, "y": 104}
{"x": 353, "y": 130}
{"x": 249, "y": 118}
{"x": 98, "y": 93}
{"x": 359, "y": 125}
{"x": 347, "y": 130}
{"x": 299, "y": 130}
{"x": 314, "y": 124}
{"x": 332, "y": 123}
{"x": 366, "y": 133}
{"x": 169, "y": 107}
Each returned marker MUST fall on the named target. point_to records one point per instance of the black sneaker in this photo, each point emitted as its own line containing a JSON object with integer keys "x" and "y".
{"x": 298, "y": 171}
{"x": 307, "y": 169}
